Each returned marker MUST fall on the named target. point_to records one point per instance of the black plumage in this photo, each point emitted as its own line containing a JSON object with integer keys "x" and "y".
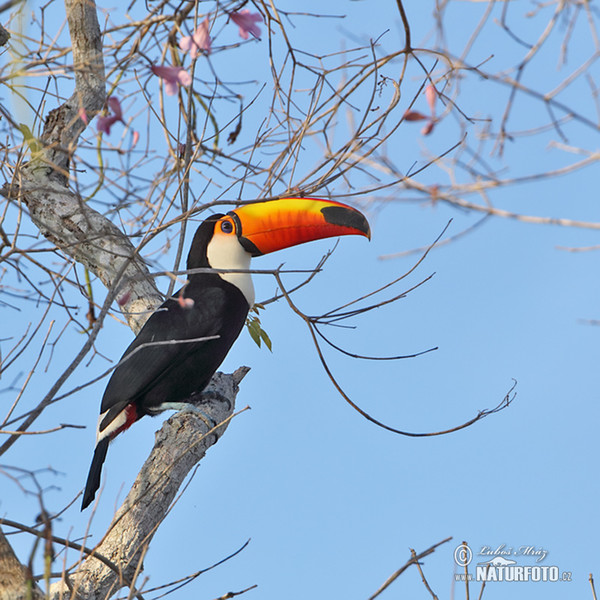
{"x": 169, "y": 361}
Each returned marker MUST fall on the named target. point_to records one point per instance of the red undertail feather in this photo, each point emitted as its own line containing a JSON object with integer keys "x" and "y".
{"x": 93, "y": 480}
{"x": 131, "y": 416}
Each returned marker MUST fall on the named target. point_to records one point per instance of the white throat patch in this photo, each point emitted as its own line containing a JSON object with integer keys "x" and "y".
{"x": 225, "y": 252}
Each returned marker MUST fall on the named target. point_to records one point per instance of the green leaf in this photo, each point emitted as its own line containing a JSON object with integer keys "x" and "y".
{"x": 34, "y": 146}
{"x": 257, "y": 333}
{"x": 266, "y": 339}
{"x": 254, "y": 330}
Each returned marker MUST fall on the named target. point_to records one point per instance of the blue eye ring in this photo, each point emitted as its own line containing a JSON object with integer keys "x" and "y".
{"x": 227, "y": 226}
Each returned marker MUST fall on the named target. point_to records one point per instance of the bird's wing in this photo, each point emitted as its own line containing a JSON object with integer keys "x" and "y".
{"x": 146, "y": 359}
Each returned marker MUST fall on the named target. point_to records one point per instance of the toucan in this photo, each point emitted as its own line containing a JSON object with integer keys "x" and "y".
{"x": 184, "y": 341}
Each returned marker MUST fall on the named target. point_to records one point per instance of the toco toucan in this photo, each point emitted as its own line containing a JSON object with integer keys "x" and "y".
{"x": 169, "y": 361}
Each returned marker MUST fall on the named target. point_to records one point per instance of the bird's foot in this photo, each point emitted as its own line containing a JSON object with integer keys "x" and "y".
{"x": 194, "y": 408}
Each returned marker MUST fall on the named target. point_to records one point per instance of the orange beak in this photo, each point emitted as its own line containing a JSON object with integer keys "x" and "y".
{"x": 265, "y": 227}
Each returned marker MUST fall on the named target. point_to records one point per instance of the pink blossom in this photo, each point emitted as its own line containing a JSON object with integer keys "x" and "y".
{"x": 115, "y": 105}
{"x": 83, "y": 115}
{"x": 246, "y": 21}
{"x": 124, "y": 299}
{"x": 428, "y": 127}
{"x": 105, "y": 123}
{"x": 430, "y": 96}
{"x": 413, "y": 115}
{"x": 199, "y": 41}
{"x": 185, "y": 303}
{"x": 172, "y": 76}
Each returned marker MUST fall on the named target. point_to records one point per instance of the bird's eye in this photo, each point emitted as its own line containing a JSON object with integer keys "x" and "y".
{"x": 226, "y": 226}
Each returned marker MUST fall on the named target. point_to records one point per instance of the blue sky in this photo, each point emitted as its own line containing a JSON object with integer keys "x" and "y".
{"x": 331, "y": 503}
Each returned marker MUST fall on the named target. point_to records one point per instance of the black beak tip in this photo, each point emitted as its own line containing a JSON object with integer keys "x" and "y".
{"x": 347, "y": 217}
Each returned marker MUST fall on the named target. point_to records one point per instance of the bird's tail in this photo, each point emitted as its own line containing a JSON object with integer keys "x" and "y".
{"x": 93, "y": 480}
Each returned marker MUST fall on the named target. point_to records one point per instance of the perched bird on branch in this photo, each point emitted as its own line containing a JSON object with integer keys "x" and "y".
{"x": 183, "y": 343}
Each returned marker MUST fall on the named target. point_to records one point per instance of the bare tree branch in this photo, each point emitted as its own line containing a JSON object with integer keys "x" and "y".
{"x": 180, "y": 444}
{"x": 62, "y": 216}
{"x": 415, "y": 558}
